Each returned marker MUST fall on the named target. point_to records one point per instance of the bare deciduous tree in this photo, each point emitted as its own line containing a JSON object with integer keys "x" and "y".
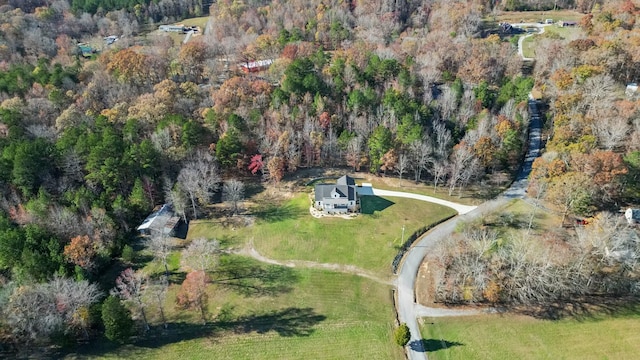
{"x": 158, "y": 292}
{"x": 462, "y": 167}
{"x": 130, "y": 286}
{"x": 403, "y": 162}
{"x": 33, "y": 312}
{"x": 233, "y": 192}
{"x": 74, "y": 298}
{"x": 199, "y": 178}
{"x": 201, "y": 254}
{"x": 610, "y": 131}
{"x": 421, "y": 156}
{"x": 160, "y": 245}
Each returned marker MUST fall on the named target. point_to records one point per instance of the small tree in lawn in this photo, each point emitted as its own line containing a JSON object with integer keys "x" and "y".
{"x": 158, "y": 293}
{"x": 233, "y": 192}
{"x": 402, "y": 335}
{"x": 193, "y": 294}
{"x": 201, "y": 254}
{"x": 130, "y": 286}
{"x": 160, "y": 246}
{"x": 118, "y": 325}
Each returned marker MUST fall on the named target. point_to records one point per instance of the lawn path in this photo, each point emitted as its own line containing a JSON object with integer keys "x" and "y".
{"x": 251, "y": 251}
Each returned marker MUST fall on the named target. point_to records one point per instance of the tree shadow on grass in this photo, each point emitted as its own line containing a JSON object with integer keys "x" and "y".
{"x": 432, "y": 345}
{"x": 286, "y": 322}
{"x": 250, "y": 278}
{"x": 370, "y": 204}
{"x": 252, "y": 189}
{"x": 275, "y": 212}
{"x": 591, "y": 308}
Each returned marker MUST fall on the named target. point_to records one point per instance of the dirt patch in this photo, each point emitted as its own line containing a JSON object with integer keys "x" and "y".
{"x": 425, "y": 285}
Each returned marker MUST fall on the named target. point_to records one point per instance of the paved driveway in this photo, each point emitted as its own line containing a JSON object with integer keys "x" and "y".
{"x": 408, "y": 309}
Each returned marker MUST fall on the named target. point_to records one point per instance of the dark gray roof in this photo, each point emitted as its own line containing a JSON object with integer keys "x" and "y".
{"x": 323, "y": 191}
{"x": 346, "y": 180}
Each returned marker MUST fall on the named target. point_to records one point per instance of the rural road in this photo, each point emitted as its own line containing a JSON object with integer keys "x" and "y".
{"x": 408, "y": 309}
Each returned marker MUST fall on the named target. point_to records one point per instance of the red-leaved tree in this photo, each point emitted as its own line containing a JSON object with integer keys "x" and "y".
{"x": 256, "y": 164}
{"x": 193, "y": 294}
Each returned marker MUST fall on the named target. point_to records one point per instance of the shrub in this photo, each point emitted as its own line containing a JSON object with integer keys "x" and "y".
{"x": 402, "y": 335}
{"x": 118, "y": 325}
{"x": 128, "y": 254}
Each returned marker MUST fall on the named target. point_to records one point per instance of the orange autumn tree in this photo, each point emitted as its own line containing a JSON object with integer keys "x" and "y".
{"x": 80, "y": 251}
{"x": 193, "y": 293}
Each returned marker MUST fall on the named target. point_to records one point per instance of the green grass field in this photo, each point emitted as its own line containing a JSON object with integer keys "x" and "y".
{"x": 534, "y": 16}
{"x": 530, "y": 44}
{"x": 177, "y": 38}
{"x": 288, "y": 232}
{"x": 271, "y": 312}
{"x": 498, "y": 337}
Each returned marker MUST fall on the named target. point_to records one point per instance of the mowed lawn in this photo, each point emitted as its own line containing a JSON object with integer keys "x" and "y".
{"x": 287, "y": 231}
{"x": 530, "y": 44}
{"x": 311, "y": 314}
{"x": 519, "y": 337}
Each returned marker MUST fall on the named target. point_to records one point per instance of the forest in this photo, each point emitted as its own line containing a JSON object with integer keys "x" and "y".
{"x": 416, "y": 89}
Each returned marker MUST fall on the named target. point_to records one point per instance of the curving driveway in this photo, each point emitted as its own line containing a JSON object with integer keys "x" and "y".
{"x": 461, "y": 209}
{"x": 521, "y": 39}
{"x": 408, "y": 309}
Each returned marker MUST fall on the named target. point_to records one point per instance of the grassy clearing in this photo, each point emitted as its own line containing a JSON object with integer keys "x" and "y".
{"x": 520, "y": 337}
{"x": 177, "y": 38}
{"x": 288, "y": 232}
{"x": 535, "y": 16}
{"x": 517, "y": 215}
{"x": 310, "y": 314}
{"x": 530, "y": 44}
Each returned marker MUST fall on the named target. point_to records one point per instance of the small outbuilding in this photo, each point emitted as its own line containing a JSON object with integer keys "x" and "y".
{"x": 173, "y": 28}
{"x": 256, "y": 66}
{"x": 161, "y": 222}
{"x": 632, "y": 216}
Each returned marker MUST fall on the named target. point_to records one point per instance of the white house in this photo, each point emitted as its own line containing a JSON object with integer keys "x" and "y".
{"x": 339, "y": 198}
{"x": 632, "y": 216}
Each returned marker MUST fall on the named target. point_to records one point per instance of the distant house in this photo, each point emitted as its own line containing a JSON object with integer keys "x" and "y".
{"x": 337, "y": 198}
{"x": 161, "y": 222}
{"x": 86, "y": 50}
{"x": 567, "y": 23}
{"x": 173, "y": 28}
{"x": 632, "y": 216}
{"x": 110, "y": 39}
{"x": 255, "y": 66}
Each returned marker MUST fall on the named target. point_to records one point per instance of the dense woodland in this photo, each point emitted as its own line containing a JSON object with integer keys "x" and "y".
{"x": 88, "y": 146}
